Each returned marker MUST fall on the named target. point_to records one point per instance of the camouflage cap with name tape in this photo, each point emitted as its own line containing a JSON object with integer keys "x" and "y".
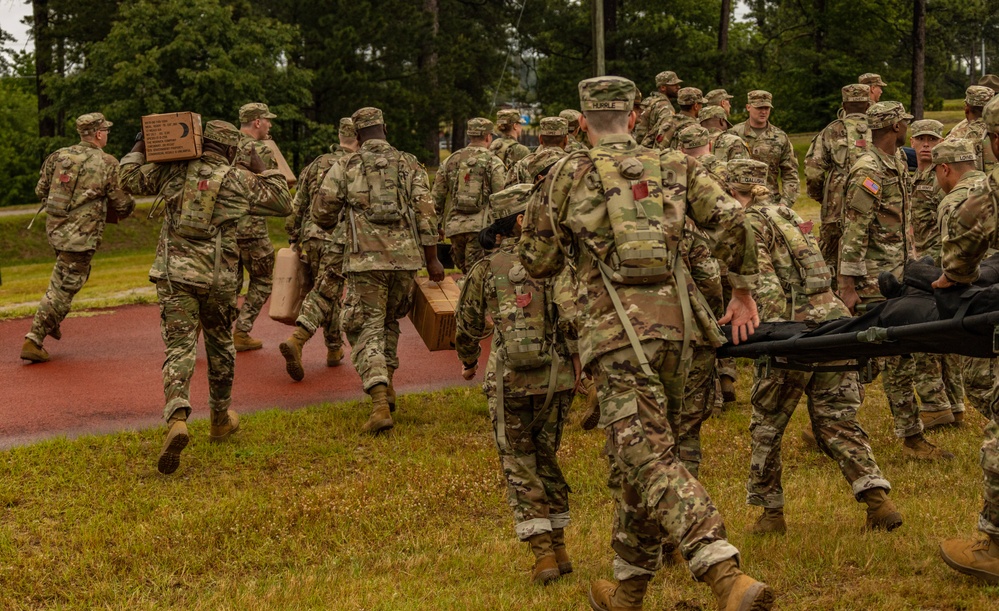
{"x": 688, "y": 96}
{"x": 512, "y": 200}
{"x": 554, "y": 126}
{"x": 572, "y": 117}
{"x": 367, "y": 117}
{"x": 693, "y": 136}
{"x": 759, "y": 98}
{"x": 347, "y": 128}
{"x": 954, "y": 150}
{"x": 479, "y": 126}
{"x": 667, "y": 77}
{"x": 606, "y": 93}
{"x": 871, "y": 79}
{"x": 223, "y": 132}
{"x": 884, "y": 114}
{"x": 856, "y": 92}
{"x": 253, "y": 111}
{"x": 748, "y": 172}
{"x": 91, "y": 122}
{"x": 927, "y": 127}
{"x": 976, "y": 95}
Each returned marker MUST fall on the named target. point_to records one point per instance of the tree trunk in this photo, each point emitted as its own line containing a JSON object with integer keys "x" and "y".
{"x": 726, "y": 12}
{"x": 428, "y": 68}
{"x": 610, "y": 31}
{"x": 43, "y": 65}
{"x": 458, "y": 133}
{"x": 918, "y": 57}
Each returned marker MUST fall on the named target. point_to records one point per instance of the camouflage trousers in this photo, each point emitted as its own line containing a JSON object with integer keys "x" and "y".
{"x": 898, "y": 374}
{"x": 698, "y": 402}
{"x": 934, "y": 382}
{"x": 256, "y": 255}
{"x": 535, "y": 487}
{"x": 184, "y": 311}
{"x": 376, "y": 300}
{"x": 833, "y": 400}
{"x": 981, "y": 384}
{"x": 656, "y": 497}
{"x": 829, "y": 237}
{"x": 988, "y": 521}
{"x": 727, "y": 367}
{"x": 68, "y": 276}
{"x": 321, "y": 307}
{"x": 466, "y": 250}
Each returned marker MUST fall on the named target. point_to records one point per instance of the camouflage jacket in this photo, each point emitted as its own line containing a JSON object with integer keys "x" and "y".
{"x": 977, "y": 132}
{"x": 250, "y": 226}
{"x": 446, "y": 186}
{"x": 666, "y": 132}
{"x": 577, "y": 143}
{"x": 773, "y": 148}
{"x": 573, "y": 200}
{"x": 81, "y": 227}
{"x": 299, "y": 225}
{"x": 830, "y": 156}
{"x": 874, "y": 212}
{"x": 727, "y": 146}
{"x": 968, "y": 217}
{"x": 784, "y": 269}
{"x": 705, "y": 270}
{"x": 657, "y": 112}
{"x": 924, "y": 217}
{"x": 527, "y": 168}
{"x": 716, "y": 167}
{"x": 208, "y": 263}
{"x": 508, "y": 150}
{"x": 479, "y": 299}
{"x": 374, "y": 245}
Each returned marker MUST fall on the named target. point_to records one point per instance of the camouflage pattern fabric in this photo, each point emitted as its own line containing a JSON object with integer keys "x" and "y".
{"x": 657, "y": 113}
{"x": 934, "y": 385}
{"x": 716, "y": 167}
{"x": 664, "y": 136}
{"x": 977, "y": 132}
{"x": 321, "y": 307}
{"x": 466, "y": 250}
{"x": 926, "y": 198}
{"x": 508, "y": 150}
{"x": 249, "y": 226}
{"x": 772, "y": 147}
{"x": 256, "y": 256}
{"x": 525, "y": 170}
{"x": 299, "y": 225}
{"x": 68, "y": 276}
{"x": 376, "y": 300}
{"x": 981, "y": 383}
{"x": 727, "y": 147}
{"x": 446, "y": 184}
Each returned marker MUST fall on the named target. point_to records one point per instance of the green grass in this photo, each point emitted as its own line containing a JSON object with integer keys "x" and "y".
{"x": 299, "y": 511}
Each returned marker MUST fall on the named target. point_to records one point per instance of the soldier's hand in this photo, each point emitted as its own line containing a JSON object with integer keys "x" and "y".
{"x": 469, "y": 373}
{"x": 440, "y": 234}
{"x": 435, "y": 269}
{"x": 848, "y": 293}
{"x": 256, "y": 164}
{"x": 139, "y": 146}
{"x": 742, "y": 314}
{"x": 943, "y": 282}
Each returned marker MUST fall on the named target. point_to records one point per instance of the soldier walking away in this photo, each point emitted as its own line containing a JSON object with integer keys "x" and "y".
{"x": 530, "y": 379}
{"x": 769, "y": 144}
{"x": 507, "y": 147}
{"x": 322, "y": 252}
{"x": 636, "y": 329}
{"x": 80, "y": 194}
{"x": 383, "y": 195}
{"x": 196, "y": 267}
{"x": 553, "y": 135}
{"x": 256, "y": 252}
{"x": 577, "y": 137}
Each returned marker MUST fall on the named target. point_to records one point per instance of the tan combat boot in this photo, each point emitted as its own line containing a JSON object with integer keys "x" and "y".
{"x": 770, "y": 522}
{"x": 976, "y": 558}
{"x": 545, "y": 568}
{"x": 390, "y": 392}
{"x": 31, "y": 351}
{"x": 932, "y": 420}
{"x": 291, "y": 350}
{"x": 176, "y": 440}
{"x": 591, "y": 417}
{"x": 881, "y": 512}
{"x": 333, "y": 356}
{"x": 737, "y": 591}
{"x": 243, "y": 342}
{"x": 916, "y": 447}
{"x": 626, "y": 595}
{"x": 671, "y": 554}
{"x": 727, "y": 389}
{"x": 561, "y": 553}
{"x": 380, "y": 418}
{"x": 223, "y": 424}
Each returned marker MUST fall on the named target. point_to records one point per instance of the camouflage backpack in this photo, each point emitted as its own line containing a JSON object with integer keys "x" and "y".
{"x": 63, "y": 195}
{"x": 470, "y": 192}
{"x": 379, "y": 196}
{"x": 524, "y": 324}
{"x": 856, "y": 143}
{"x": 804, "y": 249}
{"x": 202, "y": 183}
{"x": 501, "y": 147}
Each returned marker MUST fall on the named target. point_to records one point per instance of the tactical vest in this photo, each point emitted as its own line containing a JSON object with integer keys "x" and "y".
{"x": 63, "y": 195}
{"x": 470, "y": 192}
{"x": 197, "y": 205}
{"x": 380, "y": 172}
{"x": 856, "y": 144}
{"x": 527, "y": 335}
{"x": 806, "y": 257}
{"x": 632, "y": 186}
{"x": 501, "y": 147}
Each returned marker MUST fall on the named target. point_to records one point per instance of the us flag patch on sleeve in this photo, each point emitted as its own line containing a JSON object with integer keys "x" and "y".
{"x": 872, "y": 187}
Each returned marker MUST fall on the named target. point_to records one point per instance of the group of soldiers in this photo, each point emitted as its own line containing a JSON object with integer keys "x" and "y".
{"x": 604, "y": 260}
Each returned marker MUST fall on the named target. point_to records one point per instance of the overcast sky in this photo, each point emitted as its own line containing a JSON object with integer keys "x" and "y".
{"x": 11, "y": 13}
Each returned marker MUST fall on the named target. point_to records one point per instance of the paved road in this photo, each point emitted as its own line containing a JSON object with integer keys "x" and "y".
{"x": 104, "y": 375}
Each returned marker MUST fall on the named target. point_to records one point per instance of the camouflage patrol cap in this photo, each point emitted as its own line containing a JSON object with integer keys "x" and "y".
{"x": 759, "y": 98}
{"x": 991, "y": 81}
{"x": 954, "y": 150}
{"x": 91, "y": 122}
{"x": 883, "y": 114}
{"x": 857, "y": 92}
{"x": 667, "y": 77}
{"x": 347, "y": 128}
{"x": 717, "y": 96}
{"x": 509, "y": 116}
{"x": 253, "y": 111}
{"x": 572, "y": 118}
{"x": 512, "y": 200}
{"x": 991, "y": 115}
{"x": 479, "y": 126}
{"x": 638, "y": 96}
{"x": 688, "y": 96}
{"x": 554, "y": 126}
{"x": 927, "y": 127}
{"x": 712, "y": 112}
{"x": 367, "y": 117}
{"x": 606, "y": 93}
{"x": 748, "y": 172}
{"x": 870, "y": 79}
{"x": 976, "y": 95}
{"x": 223, "y": 132}
{"x": 693, "y": 136}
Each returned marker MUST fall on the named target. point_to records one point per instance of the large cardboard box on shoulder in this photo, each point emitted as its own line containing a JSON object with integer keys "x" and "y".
{"x": 433, "y": 310}
{"x": 172, "y": 136}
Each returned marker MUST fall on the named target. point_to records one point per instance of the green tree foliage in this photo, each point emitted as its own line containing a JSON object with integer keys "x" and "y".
{"x": 19, "y": 143}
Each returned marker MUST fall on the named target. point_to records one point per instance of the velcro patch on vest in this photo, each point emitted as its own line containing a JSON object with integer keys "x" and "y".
{"x": 860, "y": 143}
{"x": 468, "y": 177}
{"x": 871, "y": 186}
{"x": 202, "y": 185}
{"x": 524, "y": 300}
{"x": 891, "y": 181}
{"x": 924, "y": 187}
{"x": 806, "y": 227}
{"x": 64, "y": 178}
{"x": 640, "y": 190}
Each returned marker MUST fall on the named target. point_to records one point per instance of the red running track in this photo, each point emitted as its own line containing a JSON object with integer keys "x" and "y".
{"x": 104, "y": 375}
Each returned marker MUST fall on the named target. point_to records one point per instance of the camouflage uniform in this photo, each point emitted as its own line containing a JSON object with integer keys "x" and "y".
{"x": 771, "y": 146}
{"x": 507, "y": 149}
{"x": 384, "y": 241}
{"x": 975, "y": 130}
{"x": 79, "y": 188}
{"x": 667, "y": 131}
{"x": 656, "y": 110}
{"x": 197, "y": 278}
{"x": 463, "y": 228}
{"x": 577, "y": 137}
{"x": 657, "y": 495}
{"x": 525, "y": 170}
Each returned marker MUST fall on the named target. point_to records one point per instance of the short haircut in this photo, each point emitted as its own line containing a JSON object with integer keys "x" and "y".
{"x": 855, "y": 107}
{"x": 551, "y": 140}
{"x": 962, "y": 166}
{"x": 976, "y": 111}
{"x": 686, "y": 107}
{"x": 371, "y": 132}
{"x": 608, "y": 121}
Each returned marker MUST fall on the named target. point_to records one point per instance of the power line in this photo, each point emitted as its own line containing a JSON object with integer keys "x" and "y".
{"x": 507, "y": 59}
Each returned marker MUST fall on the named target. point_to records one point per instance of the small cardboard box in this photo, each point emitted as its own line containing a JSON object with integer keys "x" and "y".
{"x": 282, "y": 163}
{"x": 172, "y": 136}
{"x": 433, "y": 310}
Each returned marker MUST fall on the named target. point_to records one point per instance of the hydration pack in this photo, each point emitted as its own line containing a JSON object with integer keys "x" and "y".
{"x": 470, "y": 196}
{"x": 197, "y": 205}
{"x": 804, "y": 249}
{"x": 381, "y": 173}
{"x": 63, "y": 195}
{"x": 525, "y": 322}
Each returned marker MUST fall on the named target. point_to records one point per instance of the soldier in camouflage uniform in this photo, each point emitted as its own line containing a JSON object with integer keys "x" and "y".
{"x": 795, "y": 285}
{"x": 323, "y": 256}
{"x": 534, "y": 340}
{"x": 973, "y": 126}
{"x": 383, "y": 197}
{"x": 769, "y": 144}
{"x": 720, "y": 98}
{"x": 874, "y": 83}
{"x": 874, "y": 241}
{"x": 657, "y": 108}
{"x": 830, "y": 156}
{"x": 724, "y": 146}
{"x": 971, "y": 230}
{"x": 507, "y": 147}
{"x": 639, "y": 353}
{"x": 577, "y": 137}
{"x": 690, "y": 101}
{"x": 196, "y": 267}
{"x": 554, "y": 139}
{"x": 78, "y": 187}
{"x": 461, "y": 192}
{"x": 256, "y": 253}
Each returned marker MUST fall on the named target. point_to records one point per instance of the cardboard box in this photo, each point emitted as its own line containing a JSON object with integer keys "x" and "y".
{"x": 291, "y": 285}
{"x": 172, "y": 136}
{"x": 433, "y": 310}
{"x": 282, "y": 163}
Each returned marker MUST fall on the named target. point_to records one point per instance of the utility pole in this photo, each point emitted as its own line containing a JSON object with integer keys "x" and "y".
{"x": 598, "y": 37}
